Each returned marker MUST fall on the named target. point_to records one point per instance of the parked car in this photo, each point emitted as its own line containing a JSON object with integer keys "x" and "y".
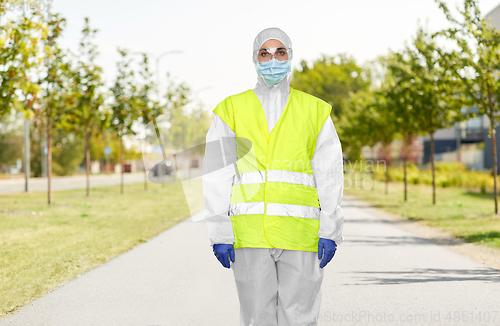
{"x": 162, "y": 168}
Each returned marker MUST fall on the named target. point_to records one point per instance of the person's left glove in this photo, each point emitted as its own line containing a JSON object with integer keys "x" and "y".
{"x": 223, "y": 252}
{"x": 329, "y": 246}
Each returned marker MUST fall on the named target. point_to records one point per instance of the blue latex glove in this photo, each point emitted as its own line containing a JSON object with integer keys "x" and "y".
{"x": 329, "y": 246}
{"x": 223, "y": 252}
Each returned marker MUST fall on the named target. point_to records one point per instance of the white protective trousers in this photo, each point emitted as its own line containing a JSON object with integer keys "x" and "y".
{"x": 277, "y": 287}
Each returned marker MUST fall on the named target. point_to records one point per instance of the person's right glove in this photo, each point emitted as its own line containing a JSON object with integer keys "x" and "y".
{"x": 329, "y": 246}
{"x": 223, "y": 252}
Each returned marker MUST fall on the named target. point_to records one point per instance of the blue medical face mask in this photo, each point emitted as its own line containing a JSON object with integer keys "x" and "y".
{"x": 273, "y": 71}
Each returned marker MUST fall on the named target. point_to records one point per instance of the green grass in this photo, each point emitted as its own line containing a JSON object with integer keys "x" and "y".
{"x": 463, "y": 213}
{"x": 43, "y": 246}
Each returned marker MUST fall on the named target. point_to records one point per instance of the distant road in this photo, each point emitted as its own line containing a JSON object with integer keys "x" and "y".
{"x": 11, "y": 186}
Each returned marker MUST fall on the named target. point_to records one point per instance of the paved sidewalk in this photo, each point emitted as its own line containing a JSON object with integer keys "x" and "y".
{"x": 381, "y": 275}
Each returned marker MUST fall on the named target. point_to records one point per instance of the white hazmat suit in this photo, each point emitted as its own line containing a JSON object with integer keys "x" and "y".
{"x": 277, "y": 286}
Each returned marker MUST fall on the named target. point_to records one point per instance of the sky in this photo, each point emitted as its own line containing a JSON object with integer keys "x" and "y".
{"x": 216, "y": 36}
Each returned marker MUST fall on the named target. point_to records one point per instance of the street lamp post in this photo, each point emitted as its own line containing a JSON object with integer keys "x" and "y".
{"x": 158, "y": 71}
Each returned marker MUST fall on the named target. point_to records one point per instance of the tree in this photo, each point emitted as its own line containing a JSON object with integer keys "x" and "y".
{"x": 124, "y": 109}
{"x": 58, "y": 96}
{"x": 400, "y": 93}
{"x": 88, "y": 112}
{"x": 475, "y": 61}
{"x": 368, "y": 121}
{"x": 384, "y": 130}
{"x": 149, "y": 109}
{"x": 436, "y": 92}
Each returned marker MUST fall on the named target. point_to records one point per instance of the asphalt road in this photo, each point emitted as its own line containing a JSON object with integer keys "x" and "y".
{"x": 11, "y": 186}
{"x": 381, "y": 275}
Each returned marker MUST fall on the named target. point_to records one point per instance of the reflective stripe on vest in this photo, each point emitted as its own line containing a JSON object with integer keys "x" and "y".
{"x": 293, "y": 210}
{"x": 246, "y": 208}
{"x": 275, "y": 176}
{"x": 275, "y": 209}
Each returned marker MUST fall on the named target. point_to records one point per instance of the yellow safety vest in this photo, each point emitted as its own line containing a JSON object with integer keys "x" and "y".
{"x": 274, "y": 200}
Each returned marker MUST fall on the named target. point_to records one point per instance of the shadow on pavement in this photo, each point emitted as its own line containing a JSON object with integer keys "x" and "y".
{"x": 399, "y": 241}
{"x": 426, "y": 275}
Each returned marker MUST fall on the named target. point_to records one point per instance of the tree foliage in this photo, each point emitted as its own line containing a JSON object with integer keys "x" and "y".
{"x": 125, "y": 109}
{"x": 20, "y": 56}
{"x": 88, "y": 113}
{"x": 332, "y": 79}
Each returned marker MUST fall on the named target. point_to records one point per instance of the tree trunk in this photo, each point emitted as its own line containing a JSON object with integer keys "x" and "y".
{"x": 406, "y": 180}
{"x": 49, "y": 163}
{"x": 433, "y": 171}
{"x": 494, "y": 153}
{"x": 373, "y": 162}
{"x": 145, "y": 177}
{"x": 87, "y": 160}
{"x": 122, "y": 160}
{"x": 406, "y": 151}
{"x": 387, "y": 179}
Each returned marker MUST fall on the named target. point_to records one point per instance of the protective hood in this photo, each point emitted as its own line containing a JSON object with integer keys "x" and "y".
{"x": 272, "y": 33}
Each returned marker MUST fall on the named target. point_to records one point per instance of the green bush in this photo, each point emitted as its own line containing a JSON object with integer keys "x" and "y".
{"x": 448, "y": 174}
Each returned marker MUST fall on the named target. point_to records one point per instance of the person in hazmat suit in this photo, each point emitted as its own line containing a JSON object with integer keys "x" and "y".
{"x": 274, "y": 216}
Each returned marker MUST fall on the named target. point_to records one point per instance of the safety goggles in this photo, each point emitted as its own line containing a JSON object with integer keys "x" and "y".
{"x": 266, "y": 54}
